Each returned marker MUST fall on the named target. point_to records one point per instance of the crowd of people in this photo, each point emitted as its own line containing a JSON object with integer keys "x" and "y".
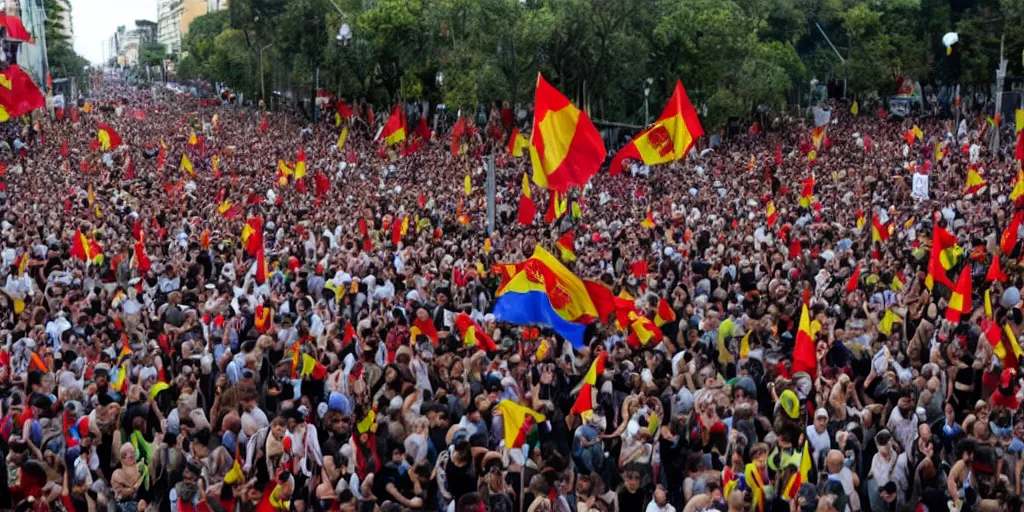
{"x": 146, "y": 369}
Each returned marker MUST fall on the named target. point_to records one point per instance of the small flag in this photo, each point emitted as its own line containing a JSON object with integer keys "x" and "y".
{"x": 187, "y": 165}
{"x": 648, "y": 221}
{"x": 342, "y": 137}
{"x": 566, "y": 244}
{"x": 855, "y": 108}
{"x": 467, "y": 185}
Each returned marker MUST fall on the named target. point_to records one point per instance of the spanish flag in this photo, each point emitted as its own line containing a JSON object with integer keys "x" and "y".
{"x": 394, "y": 130}
{"x": 644, "y": 332}
{"x": 517, "y": 142}
{"x": 23, "y": 263}
{"x": 879, "y": 231}
{"x": 801, "y": 477}
{"x": 670, "y": 138}
{"x": 1006, "y": 347}
{"x": 917, "y": 132}
{"x": 556, "y": 207}
{"x": 565, "y": 147}
{"x": 312, "y": 368}
{"x": 974, "y": 182}
{"x": 648, "y": 221}
{"x": 426, "y": 328}
{"x": 566, "y": 245}
{"x": 772, "y": 214}
{"x": 1018, "y": 186}
{"x": 252, "y": 235}
{"x": 807, "y": 192}
{"x": 960, "y": 301}
{"x": 283, "y": 172}
{"x": 300, "y": 164}
{"x": 108, "y": 139}
{"x": 187, "y": 165}
{"x": 84, "y": 249}
{"x": 584, "y": 404}
{"x": 805, "y": 357}
{"x": 473, "y": 335}
{"x": 527, "y": 210}
{"x": 817, "y": 136}
{"x": 1008, "y": 240}
{"x": 19, "y": 95}
{"x": 519, "y": 423}
{"x": 941, "y": 258}
{"x": 665, "y": 314}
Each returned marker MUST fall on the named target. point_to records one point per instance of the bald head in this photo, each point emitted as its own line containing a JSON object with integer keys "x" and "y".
{"x": 834, "y": 461}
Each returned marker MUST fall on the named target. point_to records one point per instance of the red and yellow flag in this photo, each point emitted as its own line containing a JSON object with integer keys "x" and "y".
{"x": 584, "y": 401}
{"x": 805, "y": 357}
{"x": 527, "y": 210}
{"x": 108, "y": 139}
{"x": 974, "y": 182}
{"x": 300, "y": 164}
{"x": 665, "y": 314}
{"x": 566, "y": 245}
{"x": 960, "y": 301}
{"x": 879, "y": 231}
{"x": 19, "y": 95}
{"x": 517, "y": 142}
{"x": 473, "y": 335}
{"x": 817, "y": 136}
{"x": 807, "y": 192}
{"x": 670, "y": 138}
{"x": 518, "y": 421}
{"x": 394, "y": 130}
{"x": 940, "y": 259}
{"x": 773, "y": 215}
{"x": 565, "y": 146}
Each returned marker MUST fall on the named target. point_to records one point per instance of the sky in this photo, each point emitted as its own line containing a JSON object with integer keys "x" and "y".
{"x": 96, "y": 20}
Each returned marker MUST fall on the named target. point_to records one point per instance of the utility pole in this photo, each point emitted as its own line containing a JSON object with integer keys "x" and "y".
{"x": 490, "y": 194}
{"x": 1000, "y": 76}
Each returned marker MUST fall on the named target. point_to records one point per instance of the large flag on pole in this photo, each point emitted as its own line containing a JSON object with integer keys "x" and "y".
{"x": 19, "y": 95}
{"x": 565, "y": 147}
{"x": 669, "y": 139}
{"x": 394, "y": 130}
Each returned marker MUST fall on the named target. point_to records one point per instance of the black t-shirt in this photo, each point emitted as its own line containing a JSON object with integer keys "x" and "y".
{"x": 634, "y": 501}
{"x": 387, "y": 475}
{"x": 461, "y": 480}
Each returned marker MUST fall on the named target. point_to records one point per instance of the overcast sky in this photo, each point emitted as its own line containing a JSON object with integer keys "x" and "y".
{"x": 96, "y": 20}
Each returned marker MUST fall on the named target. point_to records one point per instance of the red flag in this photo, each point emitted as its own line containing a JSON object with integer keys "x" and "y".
{"x": 851, "y": 285}
{"x": 362, "y": 227}
{"x": 639, "y": 268}
{"x": 15, "y": 28}
{"x": 867, "y": 144}
{"x": 778, "y": 154}
{"x": 457, "y": 132}
{"x": 422, "y": 130}
{"x": 263, "y": 124}
{"x": 261, "y": 266}
{"x": 323, "y": 184}
{"x": 350, "y": 333}
{"x": 64, "y": 149}
{"x": 369, "y": 115}
{"x": 107, "y": 138}
{"x": 129, "y": 169}
{"x": 396, "y": 232}
{"x": 1019, "y": 152}
{"x": 995, "y": 271}
{"x": 794, "y": 248}
{"x": 566, "y": 149}
{"x": 343, "y": 109}
{"x": 141, "y": 259}
{"x": 527, "y": 210}
{"x": 1008, "y": 240}
{"x": 367, "y": 244}
{"x": 74, "y": 114}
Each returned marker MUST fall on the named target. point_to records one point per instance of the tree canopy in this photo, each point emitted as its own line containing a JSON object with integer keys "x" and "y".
{"x": 732, "y": 55}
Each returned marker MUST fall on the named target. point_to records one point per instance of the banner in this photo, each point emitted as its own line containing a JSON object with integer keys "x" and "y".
{"x": 920, "y": 189}
{"x": 821, "y": 116}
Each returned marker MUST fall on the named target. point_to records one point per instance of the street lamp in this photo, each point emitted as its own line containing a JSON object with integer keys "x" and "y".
{"x": 647, "y": 93}
{"x": 263, "y": 88}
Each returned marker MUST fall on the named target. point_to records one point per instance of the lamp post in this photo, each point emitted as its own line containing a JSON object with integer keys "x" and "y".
{"x": 263, "y": 88}
{"x": 647, "y": 93}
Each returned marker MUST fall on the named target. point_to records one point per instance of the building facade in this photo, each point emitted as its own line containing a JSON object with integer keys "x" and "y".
{"x": 168, "y": 24}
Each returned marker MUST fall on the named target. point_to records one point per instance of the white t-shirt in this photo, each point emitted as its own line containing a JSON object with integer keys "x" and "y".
{"x": 653, "y": 507}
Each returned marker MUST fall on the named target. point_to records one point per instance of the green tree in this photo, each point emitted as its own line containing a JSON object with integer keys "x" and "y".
{"x": 152, "y": 54}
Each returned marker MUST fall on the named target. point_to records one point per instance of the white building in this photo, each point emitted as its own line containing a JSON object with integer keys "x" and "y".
{"x": 216, "y": 5}
{"x": 168, "y": 20}
{"x": 69, "y": 25}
